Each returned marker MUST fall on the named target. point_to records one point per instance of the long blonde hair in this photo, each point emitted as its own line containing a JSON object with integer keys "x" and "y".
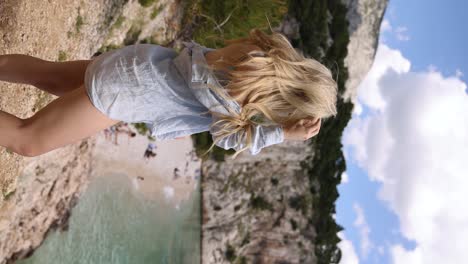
{"x": 280, "y": 86}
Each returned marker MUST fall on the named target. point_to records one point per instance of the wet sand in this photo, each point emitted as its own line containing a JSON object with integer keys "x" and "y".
{"x": 153, "y": 177}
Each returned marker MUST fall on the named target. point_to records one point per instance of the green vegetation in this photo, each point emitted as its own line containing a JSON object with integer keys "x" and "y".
{"x": 62, "y": 56}
{"x": 228, "y": 19}
{"x": 242, "y": 260}
{"x": 119, "y": 22}
{"x": 230, "y": 253}
{"x": 146, "y": 3}
{"x": 109, "y": 48}
{"x": 114, "y": 9}
{"x": 151, "y": 40}
{"x": 8, "y": 195}
{"x": 202, "y": 142}
{"x": 141, "y": 128}
{"x": 246, "y": 239}
{"x": 132, "y": 35}
{"x": 156, "y": 11}
{"x": 293, "y": 223}
{"x": 79, "y": 23}
{"x": 328, "y": 163}
{"x": 300, "y": 203}
{"x": 259, "y": 203}
{"x": 274, "y": 181}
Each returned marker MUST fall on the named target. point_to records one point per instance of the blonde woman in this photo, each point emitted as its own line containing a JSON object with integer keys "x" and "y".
{"x": 255, "y": 92}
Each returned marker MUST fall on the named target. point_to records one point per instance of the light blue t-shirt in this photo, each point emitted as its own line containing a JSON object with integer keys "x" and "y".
{"x": 168, "y": 91}
{"x": 192, "y": 65}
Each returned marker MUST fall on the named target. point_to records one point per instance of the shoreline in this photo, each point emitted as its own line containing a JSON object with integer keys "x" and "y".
{"x": 155, "y": 178}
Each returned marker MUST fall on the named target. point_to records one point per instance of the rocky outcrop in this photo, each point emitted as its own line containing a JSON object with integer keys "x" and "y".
{"x": 365, "y": 17}
{"x": 48, "y": 187}
{"x": 37, "y": 193}
{"x": 250, "y": 209}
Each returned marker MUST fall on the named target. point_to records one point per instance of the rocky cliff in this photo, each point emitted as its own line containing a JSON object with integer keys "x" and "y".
{"x": 249, "y": 208}
{"x": 38, "y": 193}
{"x": 365, "y": 17}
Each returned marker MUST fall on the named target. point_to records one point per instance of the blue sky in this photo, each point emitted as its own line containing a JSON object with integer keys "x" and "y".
{"x": 437, "y": 33}
{"x": 404, "y": 181}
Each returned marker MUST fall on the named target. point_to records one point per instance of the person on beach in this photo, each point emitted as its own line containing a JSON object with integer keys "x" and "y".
{"x": 110, "y": 133}
{"x": 176, "y": 173}
{"x": 254, "y": 92}
{"x": 113, "y": 131}
{"x": 149, "y": 151}
{"x": 147, "y": 154}
{"x": 193, "y": 155}
{"x": 186, "y": 167}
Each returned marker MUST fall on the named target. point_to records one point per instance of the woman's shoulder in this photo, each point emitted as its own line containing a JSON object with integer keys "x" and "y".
{"x": 191, "y": 44}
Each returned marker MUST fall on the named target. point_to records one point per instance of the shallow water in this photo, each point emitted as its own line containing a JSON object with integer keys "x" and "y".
{"x": 114, "y": 223}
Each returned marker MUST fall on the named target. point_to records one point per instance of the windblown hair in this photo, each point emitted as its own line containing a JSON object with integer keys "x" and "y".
{"x": 280, "y": 85}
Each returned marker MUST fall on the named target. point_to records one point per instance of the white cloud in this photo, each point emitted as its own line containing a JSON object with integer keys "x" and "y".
{"x": 401, "y": 33}
{"x": 369, "y": 92}
{"x": 361, "y": 224}
{"x": 458, "y": 73}
{"x": 414, "y": 141}
{"x": 348, "y": 253}
{"x": 357, "y": 109}
{"x": 385, "y": 26}
{"x": 401, "y": 255}
{"x": 344, "y": 177}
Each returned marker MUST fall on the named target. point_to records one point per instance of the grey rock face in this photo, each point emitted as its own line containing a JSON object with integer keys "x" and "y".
{"x": 365, "y": 17}
{"x": 247, "y": 212}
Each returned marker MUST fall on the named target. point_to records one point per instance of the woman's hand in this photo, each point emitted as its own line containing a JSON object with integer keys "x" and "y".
{"x": 303, "y": 130}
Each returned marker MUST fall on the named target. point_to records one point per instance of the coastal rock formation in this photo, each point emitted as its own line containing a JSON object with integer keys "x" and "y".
{"x": 47, "y": 188}
{"x": 365, "y": 17}
{"x": 37, "y": 193}
{"x": 250, "y": 209}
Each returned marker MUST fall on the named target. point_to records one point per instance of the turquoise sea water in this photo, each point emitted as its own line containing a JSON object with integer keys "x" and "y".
{"x": 113, "y": 223}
